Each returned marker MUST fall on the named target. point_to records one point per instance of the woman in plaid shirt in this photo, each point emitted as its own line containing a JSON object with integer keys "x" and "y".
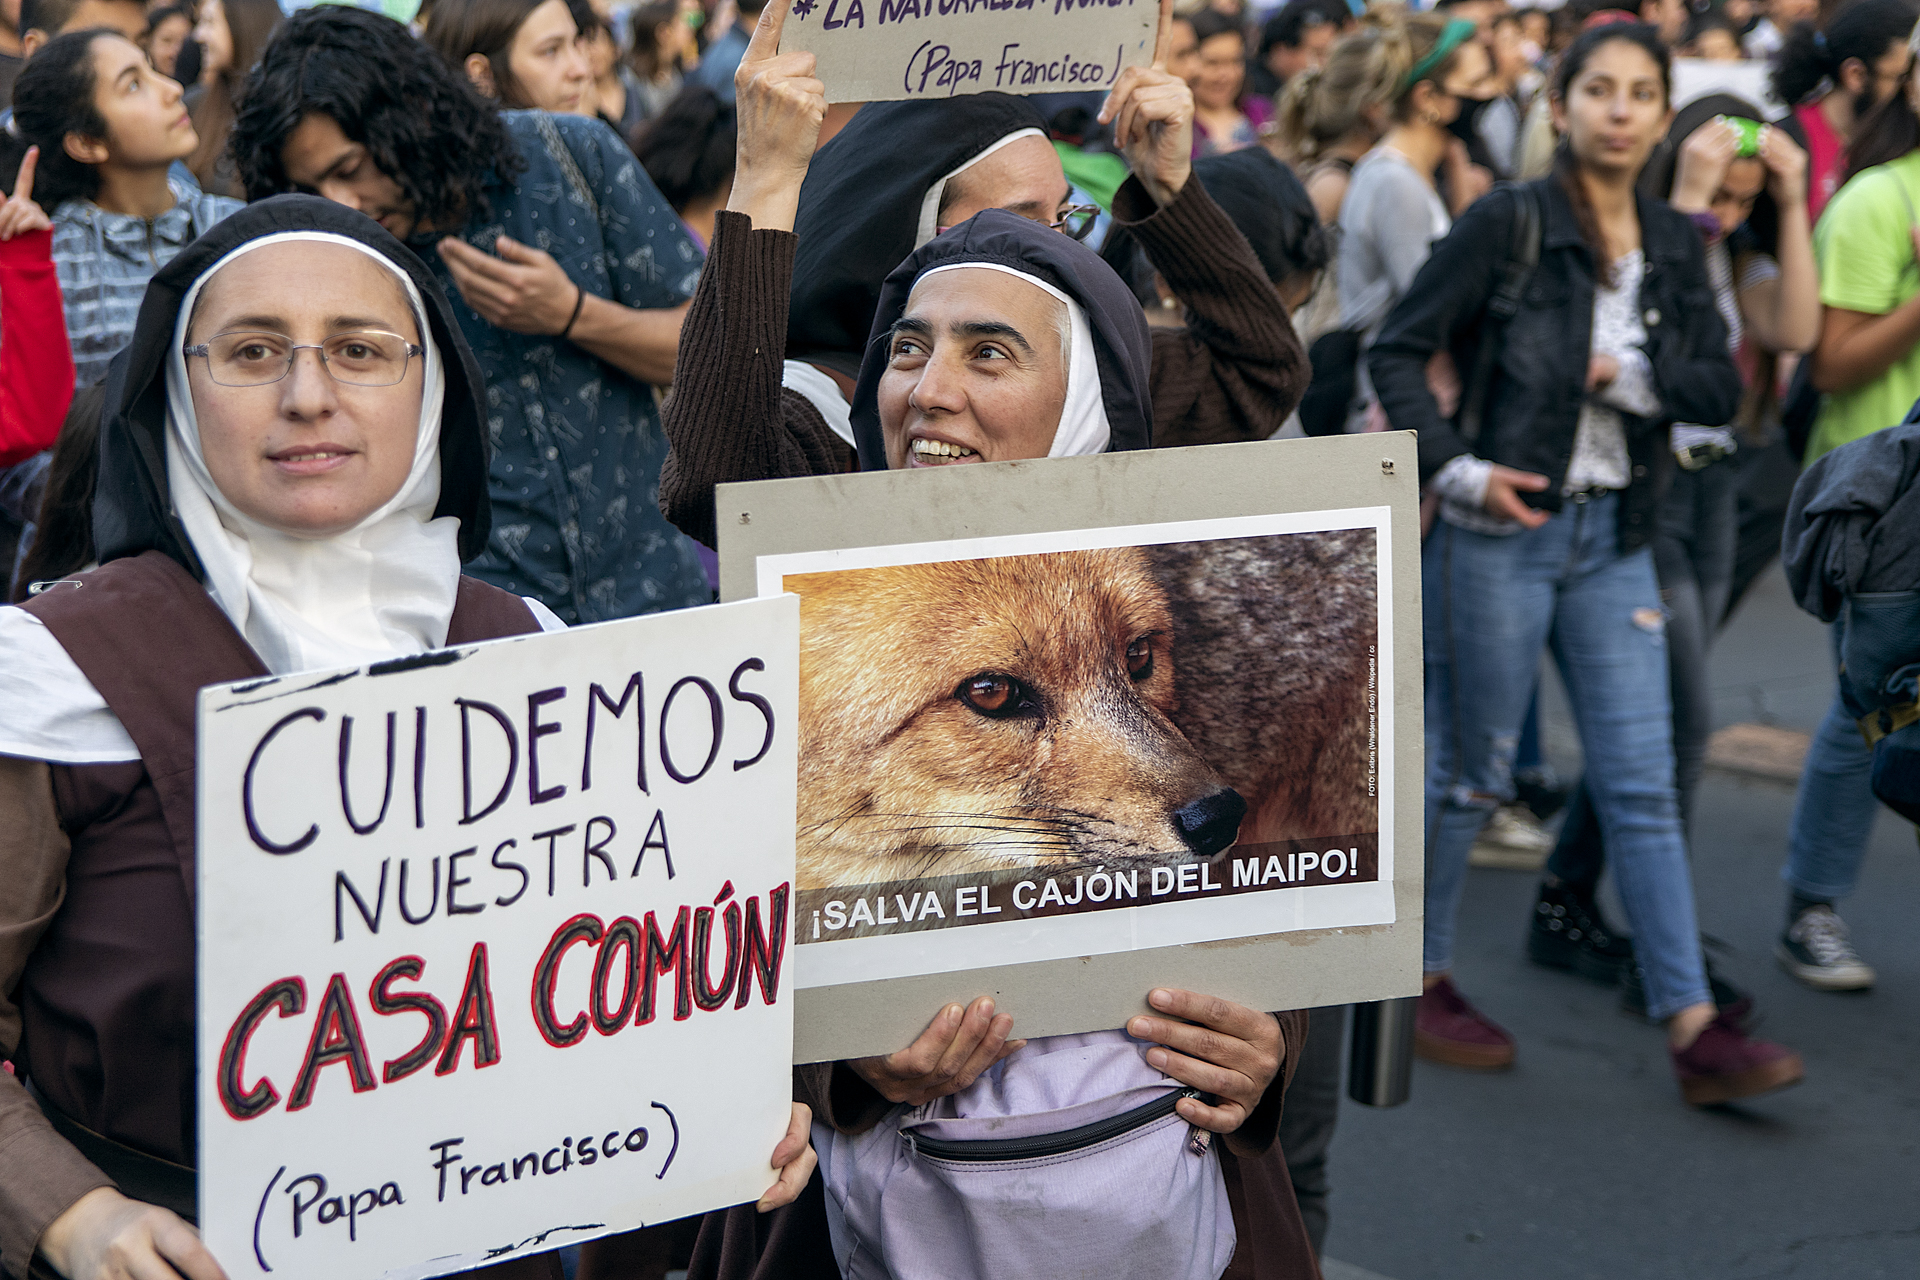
{"x": 109, "y": 127}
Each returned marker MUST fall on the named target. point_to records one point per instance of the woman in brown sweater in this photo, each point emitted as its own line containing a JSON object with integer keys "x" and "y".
{"x": 1234, "y": 372}
{"x": 997, "y": 340}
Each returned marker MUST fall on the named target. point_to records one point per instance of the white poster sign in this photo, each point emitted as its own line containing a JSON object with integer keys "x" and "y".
{"x": 1695, "y": 78}
{"x": 879, "y": 50}
{"x": 495, "y": 944}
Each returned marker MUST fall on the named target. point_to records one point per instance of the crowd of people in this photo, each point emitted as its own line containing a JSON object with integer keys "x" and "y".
{"x": 1624, "y": 270}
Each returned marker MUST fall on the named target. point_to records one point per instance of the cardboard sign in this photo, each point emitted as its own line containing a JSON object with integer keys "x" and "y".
{"x": 495, "y": 944}
{"x": 879, "y": 50}
{"x": 1695, "y": 78}
{"x": 1060, "y": 758}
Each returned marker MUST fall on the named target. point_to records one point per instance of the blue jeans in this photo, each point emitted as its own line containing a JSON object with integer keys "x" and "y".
{"x": 1834, "y": 812}
{"x": 1492, "y": 605}
{"x": 1693, "y": 556}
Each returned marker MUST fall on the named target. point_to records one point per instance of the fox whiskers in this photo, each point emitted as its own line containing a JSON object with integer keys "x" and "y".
{"x": 904, "y": 846}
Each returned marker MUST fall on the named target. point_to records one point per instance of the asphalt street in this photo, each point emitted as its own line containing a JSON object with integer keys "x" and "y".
{"x": 1582, "y": 1162}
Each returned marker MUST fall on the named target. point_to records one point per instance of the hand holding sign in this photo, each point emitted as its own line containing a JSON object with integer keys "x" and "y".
{"x": 106, "y": 1236}
{"x": 1153, "y": 115}
{"x": 794, "y": 1158}
{"x": 779, "y": 105}
{"x": 949, "y": 1055}
{"x": 1217, "y": 1046}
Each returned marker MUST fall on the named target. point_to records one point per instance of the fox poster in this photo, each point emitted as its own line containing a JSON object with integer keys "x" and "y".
{"x": 1073, "y": 729}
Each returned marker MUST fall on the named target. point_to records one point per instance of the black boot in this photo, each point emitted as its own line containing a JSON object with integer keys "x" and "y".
{"x": 1569, "y": 933}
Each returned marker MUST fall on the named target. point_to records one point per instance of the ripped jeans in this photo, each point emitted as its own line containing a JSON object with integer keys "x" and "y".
{"x": 1491, "y": 605}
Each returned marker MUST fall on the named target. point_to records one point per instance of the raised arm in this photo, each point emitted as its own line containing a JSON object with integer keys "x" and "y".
{"x": 1237, "y": 369}
{"x": 1782, "y": 313}
{"x": 36, "y": 362}
{"x": 728, "y": 418}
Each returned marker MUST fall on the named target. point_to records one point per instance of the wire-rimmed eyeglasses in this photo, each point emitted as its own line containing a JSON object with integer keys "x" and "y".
{"x": 253, "y": 358}
{"x": 1076, "y": 220}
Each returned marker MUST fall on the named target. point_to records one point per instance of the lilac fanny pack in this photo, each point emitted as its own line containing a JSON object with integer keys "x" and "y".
{"x": 1065, "y": 1160}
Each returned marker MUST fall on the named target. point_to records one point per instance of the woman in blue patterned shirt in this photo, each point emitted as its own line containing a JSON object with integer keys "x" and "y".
{"x": 569, "y": 274}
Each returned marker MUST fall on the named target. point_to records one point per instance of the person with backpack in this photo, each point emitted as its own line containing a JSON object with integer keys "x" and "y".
{"x": 1743, "y": 183}
{"x": 1580, "y": 315}
{"x": 1393, "y": 210}
{"x": 1868, "y": 367}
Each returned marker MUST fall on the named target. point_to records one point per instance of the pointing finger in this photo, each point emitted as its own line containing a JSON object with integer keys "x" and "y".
{"x": 23, "y": 185}
{"x": 1164, "y": 37}
{"x": 766, "y": 32}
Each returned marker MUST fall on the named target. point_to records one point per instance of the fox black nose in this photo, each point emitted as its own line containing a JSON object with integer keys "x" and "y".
{"x": 1210, "y": 823}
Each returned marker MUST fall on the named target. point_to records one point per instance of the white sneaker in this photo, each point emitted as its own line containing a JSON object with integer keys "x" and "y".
{"x": 1512, "y": 840}
{"x": 1514, "y": 826}
{"x": 1816, "y": 949}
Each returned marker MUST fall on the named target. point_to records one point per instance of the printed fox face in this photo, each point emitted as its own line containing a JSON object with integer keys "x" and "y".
{"x": 978, "y": 715}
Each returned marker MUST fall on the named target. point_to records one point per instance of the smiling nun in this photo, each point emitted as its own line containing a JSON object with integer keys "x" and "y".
{"x": 998, "y": 339}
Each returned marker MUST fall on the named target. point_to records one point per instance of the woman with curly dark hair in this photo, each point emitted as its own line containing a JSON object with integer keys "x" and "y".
{"x": 346, "y": 103}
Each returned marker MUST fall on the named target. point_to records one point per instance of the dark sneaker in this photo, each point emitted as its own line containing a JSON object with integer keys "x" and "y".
{"x": 1450, "y": 1031}
{"x": 1541, "y": 791}
{"x": 1816, "y": 949}
{"x": 1569, "y": 933}
{"x": 1729, "y": 999}
{"x": 1725, "y": 1064}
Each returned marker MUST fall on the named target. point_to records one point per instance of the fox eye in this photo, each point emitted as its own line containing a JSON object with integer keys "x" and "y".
{"x": 1140, "y": 659}
{"x": 996, "y": 696}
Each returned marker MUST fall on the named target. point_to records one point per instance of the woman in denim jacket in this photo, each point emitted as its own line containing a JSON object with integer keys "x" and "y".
{"x": 1544, "y": 530}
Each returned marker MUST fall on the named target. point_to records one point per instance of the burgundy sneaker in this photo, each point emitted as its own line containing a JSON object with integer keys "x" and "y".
{"x": 1449, "y": 1030}
{"x": 1725, "y": 1063}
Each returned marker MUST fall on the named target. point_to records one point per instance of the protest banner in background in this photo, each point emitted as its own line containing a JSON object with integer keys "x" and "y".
{"x": 1061, "y": 758}
{"x": 1695, "y": 78}
{"x": 495, "y": 944}
{"x": 879, "y": 50}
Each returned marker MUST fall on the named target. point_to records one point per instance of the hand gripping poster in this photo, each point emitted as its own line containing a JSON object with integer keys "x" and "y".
{"x": 1131, "y": 721}
{"x": 495, "y": 944}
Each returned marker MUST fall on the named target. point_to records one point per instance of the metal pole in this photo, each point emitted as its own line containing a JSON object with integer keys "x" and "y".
{"x": 1381, "y": 1072}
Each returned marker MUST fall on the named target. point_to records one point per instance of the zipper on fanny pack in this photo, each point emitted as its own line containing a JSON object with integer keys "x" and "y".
{"x": 1040, "y": 1146}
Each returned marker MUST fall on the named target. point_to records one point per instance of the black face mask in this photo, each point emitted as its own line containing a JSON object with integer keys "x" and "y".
{"x": 1466, "y": 125}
